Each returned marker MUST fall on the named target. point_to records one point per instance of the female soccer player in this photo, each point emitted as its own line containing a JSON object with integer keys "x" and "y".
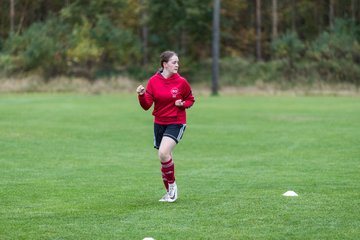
{"x": 171, "y": 95}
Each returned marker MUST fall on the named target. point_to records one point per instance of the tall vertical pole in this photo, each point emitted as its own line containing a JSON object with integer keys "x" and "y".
{"x": 144, "y": 31}
{"x": 331, "y": 14}
{"x": 274, "y": 19}
{"x": 294, "y": 15}
{"x": 353, "y": 10}
{"x": 258, "y": 30}
{"x": 215, "y": 47}
{"x": 12, "y": 15}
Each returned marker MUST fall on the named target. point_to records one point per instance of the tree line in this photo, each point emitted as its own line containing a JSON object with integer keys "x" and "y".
{"x": 91, "y": 38}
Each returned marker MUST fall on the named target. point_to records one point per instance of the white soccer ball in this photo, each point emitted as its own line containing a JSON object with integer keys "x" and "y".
{"x": 148, "y": 238}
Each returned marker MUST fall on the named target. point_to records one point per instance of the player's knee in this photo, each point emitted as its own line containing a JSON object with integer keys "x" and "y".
{"x": 164, "y": 156}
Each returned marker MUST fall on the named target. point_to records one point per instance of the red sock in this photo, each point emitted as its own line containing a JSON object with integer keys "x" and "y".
{"x": 168, "y": 172}
{"x": 166, "y": 183}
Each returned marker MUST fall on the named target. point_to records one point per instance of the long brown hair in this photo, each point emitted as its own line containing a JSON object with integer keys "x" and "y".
{"x": 165, "y": 57}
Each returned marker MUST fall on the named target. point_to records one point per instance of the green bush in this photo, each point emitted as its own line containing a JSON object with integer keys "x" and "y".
{"x": 336, "y": 43}
{"x": 40, "y": 47}
{"x": 288, "y": 46}
{"x": 119, "y": 46}
{"x": 83, "y": 53}
{"x": 337, "y": 53}
{"x": 55, "y": 47}
{"x": 100, "y": 46}
{"x": 7, "y": 64}
{"x": 239, "y": 71}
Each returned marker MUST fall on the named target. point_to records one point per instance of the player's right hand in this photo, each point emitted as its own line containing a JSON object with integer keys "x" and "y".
{"x": 140, "y": 90}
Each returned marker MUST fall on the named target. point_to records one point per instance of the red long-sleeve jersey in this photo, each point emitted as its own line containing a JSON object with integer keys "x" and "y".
{"x": 163, "y": 92}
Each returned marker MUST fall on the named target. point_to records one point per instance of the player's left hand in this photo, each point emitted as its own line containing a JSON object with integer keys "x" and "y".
{"x": 179, "y": 103}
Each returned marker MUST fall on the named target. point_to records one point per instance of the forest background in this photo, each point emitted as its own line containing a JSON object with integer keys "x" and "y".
{"x": 281, "y": 43}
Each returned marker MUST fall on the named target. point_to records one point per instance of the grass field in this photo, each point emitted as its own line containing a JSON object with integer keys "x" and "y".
{"x": 83, "y": 167}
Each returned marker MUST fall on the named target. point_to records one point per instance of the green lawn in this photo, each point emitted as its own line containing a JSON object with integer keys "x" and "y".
{"x": 83, "y": 167}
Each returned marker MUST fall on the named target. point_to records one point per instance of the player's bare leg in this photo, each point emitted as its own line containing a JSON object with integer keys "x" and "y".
{"x": 165, "y": 150}
{"x": 165, "y": 155}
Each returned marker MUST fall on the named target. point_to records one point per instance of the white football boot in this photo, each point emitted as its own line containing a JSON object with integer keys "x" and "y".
{"x": 173, "y": 194}
{"x": 164, "y": 198}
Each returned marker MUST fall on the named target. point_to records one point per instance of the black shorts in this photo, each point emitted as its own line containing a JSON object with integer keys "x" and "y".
{"x": 174, "y": 131}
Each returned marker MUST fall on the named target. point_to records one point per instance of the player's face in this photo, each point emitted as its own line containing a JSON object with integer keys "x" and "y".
{"x": 172, "y": 66}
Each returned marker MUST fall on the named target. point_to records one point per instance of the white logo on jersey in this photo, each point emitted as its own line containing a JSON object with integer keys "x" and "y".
{"x": 174, "y": 92}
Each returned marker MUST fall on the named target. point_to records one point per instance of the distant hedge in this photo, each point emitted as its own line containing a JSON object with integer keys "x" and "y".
{"x": 98, "y": 48}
